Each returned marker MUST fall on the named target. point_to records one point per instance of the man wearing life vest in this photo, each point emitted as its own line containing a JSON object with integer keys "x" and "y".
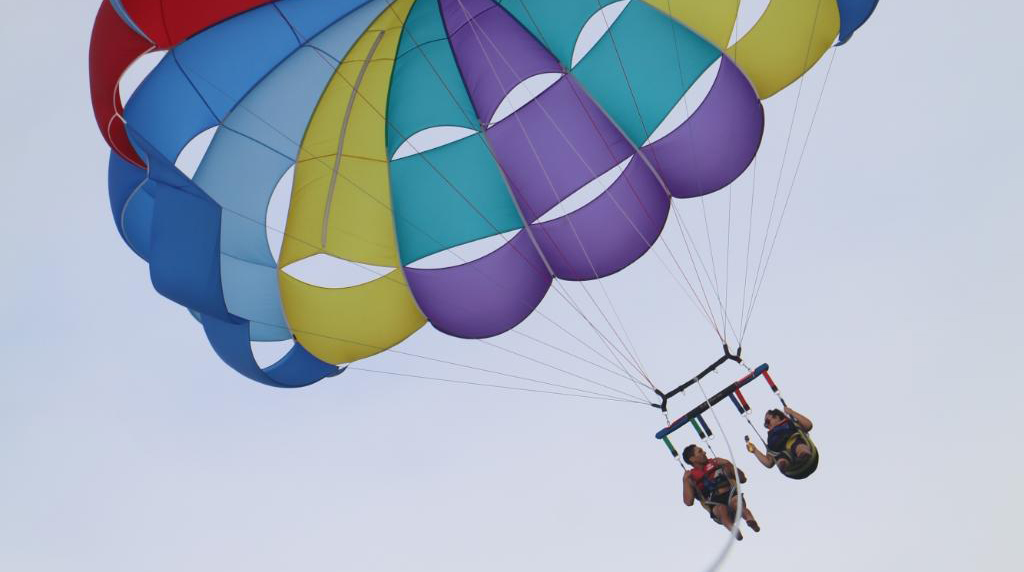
{"x": 788, "y": 446}
{"x": 712, "y": 482}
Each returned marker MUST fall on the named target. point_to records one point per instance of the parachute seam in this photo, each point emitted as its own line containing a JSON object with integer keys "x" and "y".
{"x": 343, "y": 134}
{"x": 759, "y": 270}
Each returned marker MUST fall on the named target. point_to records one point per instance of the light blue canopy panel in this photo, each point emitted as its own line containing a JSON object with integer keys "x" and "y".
{"x": 247, "y": 158}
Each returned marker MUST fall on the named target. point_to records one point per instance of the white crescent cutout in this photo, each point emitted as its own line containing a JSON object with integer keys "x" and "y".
{"x": 595, "y": 29}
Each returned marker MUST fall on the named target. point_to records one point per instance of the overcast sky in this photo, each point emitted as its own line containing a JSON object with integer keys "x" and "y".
{"x": 890, "y": 316}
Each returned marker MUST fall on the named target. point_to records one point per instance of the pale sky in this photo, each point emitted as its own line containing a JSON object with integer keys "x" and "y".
{"x": 889, "y": 316}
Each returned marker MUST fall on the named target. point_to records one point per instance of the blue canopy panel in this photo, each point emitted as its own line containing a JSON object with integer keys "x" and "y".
{"x": 852, "y": 15}
{"x": 124, "y": 180}
{"x": 297, "y": 368}
{"x": 185, "y": 259}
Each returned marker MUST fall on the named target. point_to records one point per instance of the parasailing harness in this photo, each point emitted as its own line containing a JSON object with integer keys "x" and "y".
{"x": 708, "y": 483}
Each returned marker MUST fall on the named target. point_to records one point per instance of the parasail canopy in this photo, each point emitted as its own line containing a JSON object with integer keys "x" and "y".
{"x": 554, "y": 134}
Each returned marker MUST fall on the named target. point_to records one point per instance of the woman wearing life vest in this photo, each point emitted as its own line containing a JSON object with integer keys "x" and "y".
{"x": 712, "y": 482}
{"x": 788, "y": 447}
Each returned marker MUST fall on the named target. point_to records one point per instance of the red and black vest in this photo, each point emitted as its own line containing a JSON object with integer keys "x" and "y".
{"x": 708, "y": 478}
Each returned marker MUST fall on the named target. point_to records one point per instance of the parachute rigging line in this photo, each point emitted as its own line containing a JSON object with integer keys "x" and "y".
{"x": 570, "y": 354}
{"x": 566, "y": 372}
{"x": 792, "y": 184}
{"x": 493, "y": 386}
{"x": 744, "y": 410}
{"x": 705, "y": 310}
{"x": 627, "y": 343}
{"x": 403, "y": 353}
{"x": 723, "y": 332}
{"x": 762, "y": 270}
{"x": 684, "y": 230}
{"x": 636, "y": 105}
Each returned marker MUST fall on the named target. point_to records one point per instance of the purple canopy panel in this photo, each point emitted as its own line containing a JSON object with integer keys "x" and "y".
{"x": 554, "y": 145}
{"x": 485, "y": 297}
{"x": 717, "y": 143}
{"x": 493, "y": 51}
{"x": 609, "y": 233}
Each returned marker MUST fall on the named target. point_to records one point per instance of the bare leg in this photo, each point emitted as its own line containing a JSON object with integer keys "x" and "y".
{"x": 782, "y": 464}
{"x": 802, "y": 450}
{"x": 747, "y": 515}
{"x": 722, "y": 513}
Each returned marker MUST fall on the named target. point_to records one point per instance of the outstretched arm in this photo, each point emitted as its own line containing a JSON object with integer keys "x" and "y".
{"x": 689, "y": 492}
{"x": 766, "y": 460}
{"x": 804, "y": 422}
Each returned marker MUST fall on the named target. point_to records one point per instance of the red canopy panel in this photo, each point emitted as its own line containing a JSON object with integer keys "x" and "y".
{"x": 113, "y": 48}
{"x": 115, "y": 45}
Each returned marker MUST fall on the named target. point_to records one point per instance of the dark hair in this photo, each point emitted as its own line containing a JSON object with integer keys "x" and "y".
{"x": 776, "y": 413}
{"x": 688, "y": 453}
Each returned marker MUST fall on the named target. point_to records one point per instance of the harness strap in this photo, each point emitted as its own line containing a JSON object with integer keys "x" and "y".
{"x": 794, "y": 468}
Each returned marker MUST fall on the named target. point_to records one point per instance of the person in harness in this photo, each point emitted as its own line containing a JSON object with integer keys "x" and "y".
{"x": 788, "y": 445}
{"x": 712, "y": 482}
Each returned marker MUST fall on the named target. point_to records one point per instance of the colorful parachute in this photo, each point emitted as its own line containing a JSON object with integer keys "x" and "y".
{"x": 415, "y": 127}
